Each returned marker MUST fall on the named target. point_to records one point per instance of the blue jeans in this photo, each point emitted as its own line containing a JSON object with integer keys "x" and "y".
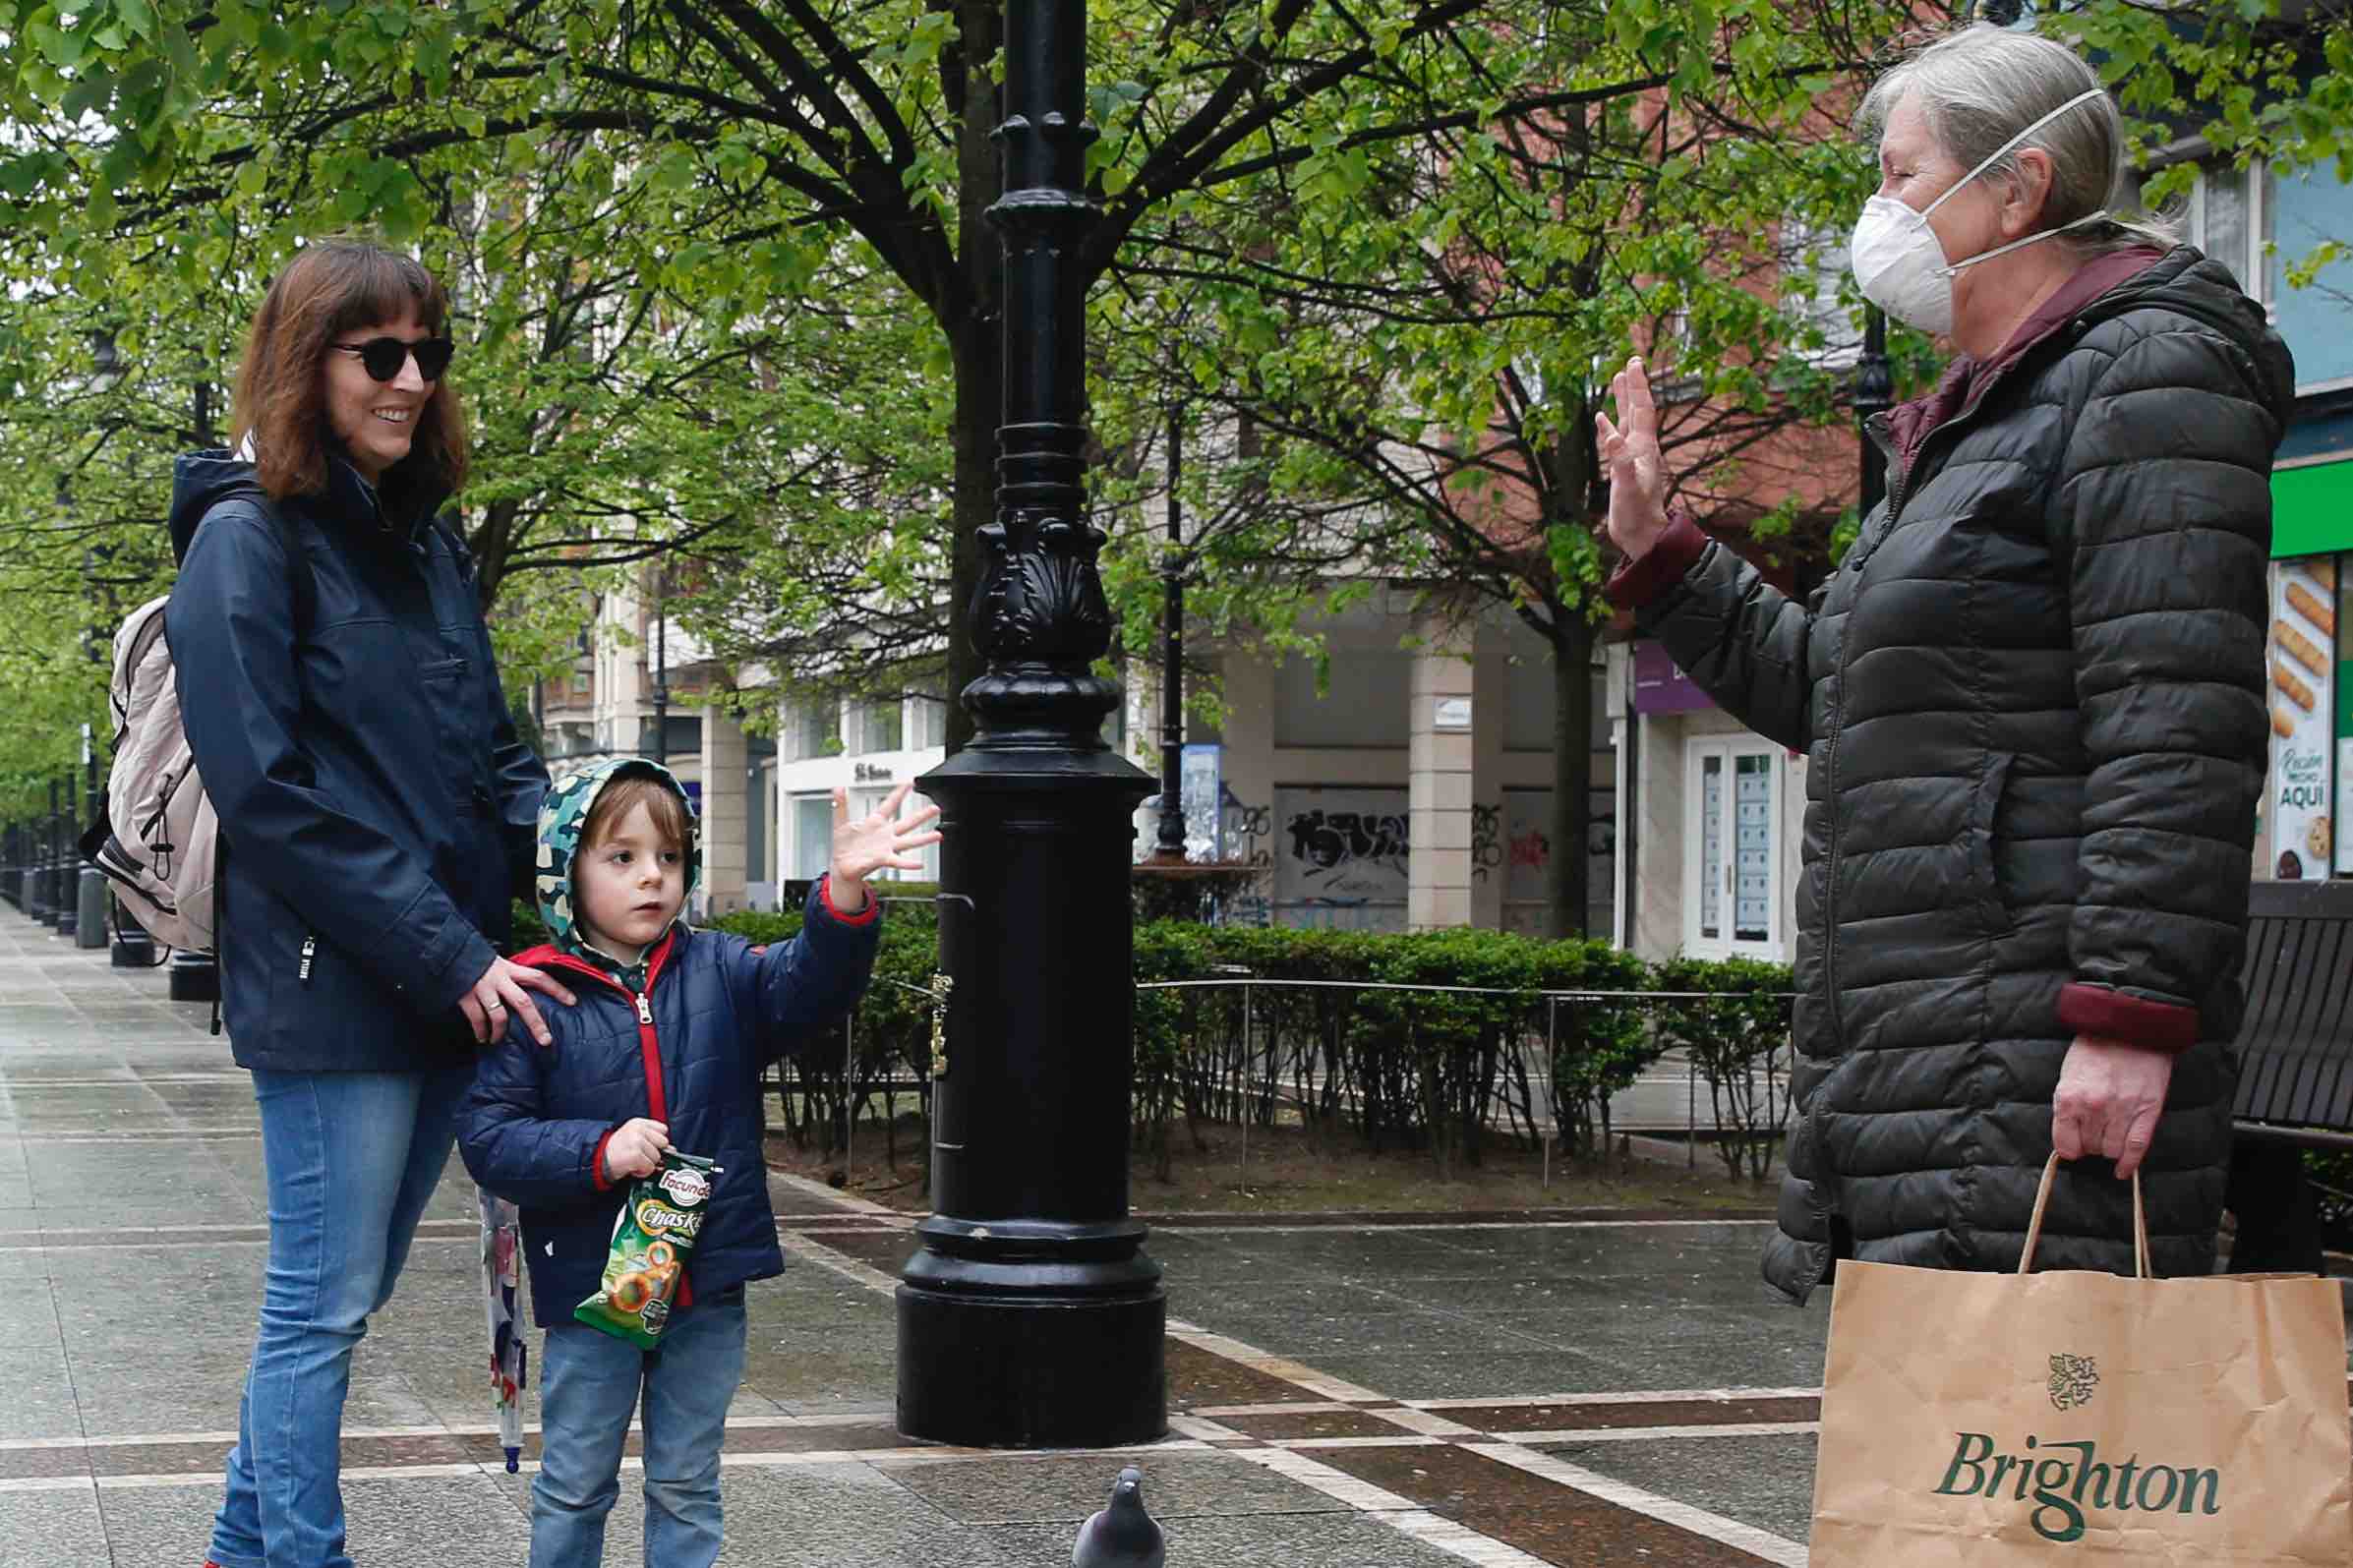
{"x": 589, "y": 1385}
{"x": 352, "y": 1159}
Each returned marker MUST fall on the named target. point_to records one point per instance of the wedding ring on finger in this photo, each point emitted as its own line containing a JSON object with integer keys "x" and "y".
{"x": 494, "y": 1007}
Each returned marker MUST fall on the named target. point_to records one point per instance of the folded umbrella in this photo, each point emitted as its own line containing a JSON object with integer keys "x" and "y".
{"x": 502, "y": 1261}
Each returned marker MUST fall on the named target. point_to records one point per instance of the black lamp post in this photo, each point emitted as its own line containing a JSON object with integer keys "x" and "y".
{"x": 1874, "y": 394}
{"x": 661, "y": 745}
{"x": 37, "y": 902}
{"x": 61, "y": 852}
{"x": 1171, "y": 845}
{"x": 68, "y": 869}
{"x": 1030, "y": 1316}
{"x": 196, "y": 976}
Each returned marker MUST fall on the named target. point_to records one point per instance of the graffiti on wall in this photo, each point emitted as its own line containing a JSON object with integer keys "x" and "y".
{"x": 1528, "y": 843}
{"x": 1346, "y": 841}
{"x": 1243, "y": 829}
{"x": 1487, "y": 840}
{"x": 1340, "y": 857}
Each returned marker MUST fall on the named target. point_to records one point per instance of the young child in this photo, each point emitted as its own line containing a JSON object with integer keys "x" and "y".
{"x": 663, "y": 1048}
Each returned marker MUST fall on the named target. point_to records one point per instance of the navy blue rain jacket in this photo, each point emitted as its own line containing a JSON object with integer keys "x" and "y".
{"x": 376, "y": 804}
{"x": 715, "y": 1011}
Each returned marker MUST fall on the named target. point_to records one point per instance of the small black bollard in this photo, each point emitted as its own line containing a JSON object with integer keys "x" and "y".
{"x": 194, "y": 977}
{"x": 133, "y": 949}
{"x": 1121, "y": 1535}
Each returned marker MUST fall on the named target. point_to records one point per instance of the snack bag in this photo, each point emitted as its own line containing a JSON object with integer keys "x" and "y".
{"x": 651, "y": 1239}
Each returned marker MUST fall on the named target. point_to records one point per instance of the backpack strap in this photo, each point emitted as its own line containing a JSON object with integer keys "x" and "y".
{"x": 298, "y": 562}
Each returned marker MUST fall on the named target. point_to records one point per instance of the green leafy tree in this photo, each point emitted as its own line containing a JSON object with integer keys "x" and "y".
{"x": 1418, "y": 332}
{"x": 704, "y": 169}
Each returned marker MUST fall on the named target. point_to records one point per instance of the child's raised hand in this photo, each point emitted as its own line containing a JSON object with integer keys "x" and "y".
{"x": 635, "y": 1148}
{"x": 863, "y": 846}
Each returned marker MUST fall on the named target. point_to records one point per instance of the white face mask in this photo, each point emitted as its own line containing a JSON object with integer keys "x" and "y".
{"x": 1900, "y": 266}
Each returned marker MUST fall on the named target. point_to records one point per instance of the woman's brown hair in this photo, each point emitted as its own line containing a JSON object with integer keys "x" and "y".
{"x": 330, "y": 288}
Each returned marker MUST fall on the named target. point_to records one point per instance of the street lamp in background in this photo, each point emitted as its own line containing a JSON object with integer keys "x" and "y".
{"x": 43, "y": 904}
{"x": 661, "y": 745}
{"x": 1170, "y": 847}
{"x": 1029, "y": 1317}
{"x": 1874, "y": 394}
{"x": 90, "y": 894}
{"x": 62, "y": 915}
{"x": 196, "y": 976}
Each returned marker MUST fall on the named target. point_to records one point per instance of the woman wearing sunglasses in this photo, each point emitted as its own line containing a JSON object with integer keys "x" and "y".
{"x": 377, "y": 815}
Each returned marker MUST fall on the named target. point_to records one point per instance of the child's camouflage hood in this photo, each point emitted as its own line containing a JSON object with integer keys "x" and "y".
{"x": 561, "y": 820}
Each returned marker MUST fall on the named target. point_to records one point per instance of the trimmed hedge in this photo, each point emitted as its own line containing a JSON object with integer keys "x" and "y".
{"x": 1425, "y": 1070}
{"x": 1734, "y": 1038}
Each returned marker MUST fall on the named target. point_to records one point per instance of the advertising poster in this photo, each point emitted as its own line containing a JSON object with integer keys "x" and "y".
{"x": 1200, "y": 782}
{"x": 2303, "y": 659}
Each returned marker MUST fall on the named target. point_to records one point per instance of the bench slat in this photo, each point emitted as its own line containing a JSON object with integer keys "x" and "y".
{"x": 2295, "y": 1048}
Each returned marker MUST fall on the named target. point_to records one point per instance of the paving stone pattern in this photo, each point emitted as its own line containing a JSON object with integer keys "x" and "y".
{"x": 1357, "y": 1392}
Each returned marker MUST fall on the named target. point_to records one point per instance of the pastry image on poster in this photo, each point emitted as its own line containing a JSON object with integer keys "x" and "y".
{"x": 2302, "y": 694}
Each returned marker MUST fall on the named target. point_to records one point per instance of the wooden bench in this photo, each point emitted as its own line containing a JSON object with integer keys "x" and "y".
{"x": 2295, "y": 1051}
{"x": 2295, "y": 1048}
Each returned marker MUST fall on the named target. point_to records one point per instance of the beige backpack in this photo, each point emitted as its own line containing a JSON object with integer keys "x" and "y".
{"x": 155, "y": 835}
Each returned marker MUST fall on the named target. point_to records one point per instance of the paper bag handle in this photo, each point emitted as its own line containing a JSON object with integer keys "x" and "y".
{"x": 2042, "y": 1198}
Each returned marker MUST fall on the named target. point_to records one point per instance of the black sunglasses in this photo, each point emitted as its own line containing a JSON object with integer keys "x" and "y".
{"x": 382, "y": 357}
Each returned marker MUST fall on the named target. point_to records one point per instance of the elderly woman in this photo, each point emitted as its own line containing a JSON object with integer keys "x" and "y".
{"x": 2032, "y": 698}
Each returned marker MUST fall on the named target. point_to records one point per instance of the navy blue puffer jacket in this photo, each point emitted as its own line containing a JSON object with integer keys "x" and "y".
{"x": 374, "y": 801}
{"x": 687, "y": 1051}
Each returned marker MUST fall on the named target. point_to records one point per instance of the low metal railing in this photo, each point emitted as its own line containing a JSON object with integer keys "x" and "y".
{"x": 1752, "y": 1102}
{"x": 1548, "y": 1129}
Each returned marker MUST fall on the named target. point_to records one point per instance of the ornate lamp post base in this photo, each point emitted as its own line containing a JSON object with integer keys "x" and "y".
{"x": 1008, "y": 1352}
{"x": 1031, "y": 1316}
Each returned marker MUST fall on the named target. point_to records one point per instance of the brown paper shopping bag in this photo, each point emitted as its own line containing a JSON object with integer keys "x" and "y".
{"x": 1980, "y": 1421}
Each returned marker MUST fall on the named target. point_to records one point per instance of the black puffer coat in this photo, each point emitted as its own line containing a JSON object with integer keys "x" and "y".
{"x": 2032, "y": 703}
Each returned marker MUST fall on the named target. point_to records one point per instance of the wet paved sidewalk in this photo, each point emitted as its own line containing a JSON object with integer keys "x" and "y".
{"x": 1597, "y": 1388}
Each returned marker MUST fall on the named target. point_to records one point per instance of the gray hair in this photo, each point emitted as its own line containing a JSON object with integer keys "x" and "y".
{"x": 1981, "y": 84}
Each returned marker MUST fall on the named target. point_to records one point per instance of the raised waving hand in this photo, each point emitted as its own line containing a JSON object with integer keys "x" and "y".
{"x": 1629, "y": 451}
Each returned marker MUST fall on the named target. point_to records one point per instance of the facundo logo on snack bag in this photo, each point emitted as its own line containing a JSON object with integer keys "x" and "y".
{"x": 2064, "y": 1488}
{"x": 686, "y": 1186}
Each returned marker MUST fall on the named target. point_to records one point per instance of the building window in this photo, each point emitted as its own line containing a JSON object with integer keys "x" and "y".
{"x": 877, "y": 725}
{"x": 2227, "y": 215}
{"x": 1732, "y": 859}
{"x": 812, "y": 836}
{"x": 929, "y": 712}
{"x": 1813, "y": 266}
{"x": 812, "y": 728}
{"x": 2230, "y": 222}
{"x": 579, "y": 682}
{"x": 1363, "y": 702}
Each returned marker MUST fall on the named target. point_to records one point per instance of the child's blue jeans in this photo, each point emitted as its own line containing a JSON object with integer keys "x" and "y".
{"x": 589, "y": 1385}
